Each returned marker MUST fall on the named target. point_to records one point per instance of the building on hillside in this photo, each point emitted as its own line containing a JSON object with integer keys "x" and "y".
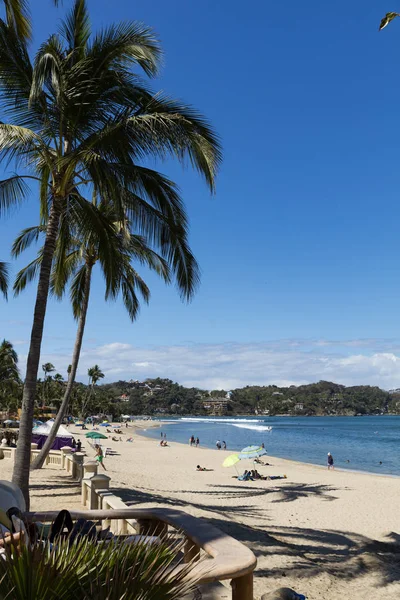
{"x": 123, "y": 398}
{"x": 215, "y": 406}
{"x": 299, "y": 406}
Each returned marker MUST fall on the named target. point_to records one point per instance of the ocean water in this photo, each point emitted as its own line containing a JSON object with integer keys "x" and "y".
{"x": 363, "y": 441}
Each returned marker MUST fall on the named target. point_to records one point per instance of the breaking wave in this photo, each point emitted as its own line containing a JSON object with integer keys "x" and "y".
{"x": 220, "y": 420}
{"x": 253, "y": 427}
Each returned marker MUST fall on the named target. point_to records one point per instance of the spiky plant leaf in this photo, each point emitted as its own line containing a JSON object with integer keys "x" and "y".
{"x": 3, "y": 278}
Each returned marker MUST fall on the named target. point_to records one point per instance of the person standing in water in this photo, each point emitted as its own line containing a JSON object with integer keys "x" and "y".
{"x": 330, "y": 462}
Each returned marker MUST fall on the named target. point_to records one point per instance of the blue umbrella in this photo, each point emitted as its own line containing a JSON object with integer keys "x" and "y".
{"x": 104, "y": 424}
{"x": 252, "y": 452}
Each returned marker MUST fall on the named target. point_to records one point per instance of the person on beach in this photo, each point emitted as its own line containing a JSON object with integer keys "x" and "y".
{"x": 191, "y": 440}
{"x": 100, "y": 456}
{"x": 330, "y": 462}
{"x": 197, "y": 442}
{"x": 224, "y": 445}
{"x": 78, "y": 446}
{"x": 161, "y": 434}
{"x": 218, "y": 444}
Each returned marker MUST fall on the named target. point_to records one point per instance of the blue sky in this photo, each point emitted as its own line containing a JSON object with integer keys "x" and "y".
{"x": 299, "y": 249}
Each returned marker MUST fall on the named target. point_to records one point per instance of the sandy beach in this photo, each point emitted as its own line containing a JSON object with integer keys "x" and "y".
{"x": 327, "y": 534}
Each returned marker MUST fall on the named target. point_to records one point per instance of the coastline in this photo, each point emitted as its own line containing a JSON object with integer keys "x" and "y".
{"x": 143, "y": 425}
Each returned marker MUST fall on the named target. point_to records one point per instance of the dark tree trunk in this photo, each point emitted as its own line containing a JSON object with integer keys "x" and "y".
{"x": 23, "y": 452}
{"x": 38, "y": 462}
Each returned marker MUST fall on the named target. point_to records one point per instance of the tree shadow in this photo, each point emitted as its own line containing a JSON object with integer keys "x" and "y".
{"x": 149, "y": 496}
{"x": 285, "y": 554}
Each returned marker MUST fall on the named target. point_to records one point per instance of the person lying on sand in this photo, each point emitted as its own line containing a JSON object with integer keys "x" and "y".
{"x": 163, "y": 443}
{"x": 199, "y": 468}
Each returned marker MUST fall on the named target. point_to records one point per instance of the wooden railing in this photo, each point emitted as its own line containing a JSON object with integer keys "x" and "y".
{"x": 225, "y": 557}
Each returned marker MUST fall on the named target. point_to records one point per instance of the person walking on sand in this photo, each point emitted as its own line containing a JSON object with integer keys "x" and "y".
{"x": 218, "y": 444}
{"x": 330, "y": 462}
{"x": 100, "y": 456}
{"x": 197, "y": 442}
{"x": 223, "y": 445}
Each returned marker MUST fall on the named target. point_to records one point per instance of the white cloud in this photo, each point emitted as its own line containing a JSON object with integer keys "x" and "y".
{"x": 230, "y": 365}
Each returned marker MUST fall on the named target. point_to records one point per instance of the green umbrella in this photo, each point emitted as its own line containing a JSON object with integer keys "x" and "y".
{"x": 96, "y": 435}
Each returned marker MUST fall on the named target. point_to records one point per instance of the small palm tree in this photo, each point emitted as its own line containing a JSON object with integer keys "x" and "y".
{"x": 3, "y": 279}
{"x": 94, "y": 374}
{"x": 105, "y": 571}
{"x": 47, "y": 369}
{"x": 9, "y": 373}
{"x": 8, "y": 362}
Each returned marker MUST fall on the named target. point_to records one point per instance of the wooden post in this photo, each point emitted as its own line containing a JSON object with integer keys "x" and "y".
{"x": 242, "y": 587}
{"x": 152, "y": 527}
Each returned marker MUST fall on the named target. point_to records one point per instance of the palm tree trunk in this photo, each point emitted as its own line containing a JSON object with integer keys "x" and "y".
{"x": 38, "y": 462}
{"x": 23, "y": 452}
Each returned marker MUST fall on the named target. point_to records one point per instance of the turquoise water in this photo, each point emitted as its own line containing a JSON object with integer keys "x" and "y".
{"x": 364, "y": 441}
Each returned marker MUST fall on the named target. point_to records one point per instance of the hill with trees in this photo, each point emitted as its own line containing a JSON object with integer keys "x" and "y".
{"x": 163, "y": 396}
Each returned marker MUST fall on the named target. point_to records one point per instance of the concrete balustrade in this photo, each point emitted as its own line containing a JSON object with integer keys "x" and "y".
{"x": 77, "y": 465}
{"x": 65, "y": 451}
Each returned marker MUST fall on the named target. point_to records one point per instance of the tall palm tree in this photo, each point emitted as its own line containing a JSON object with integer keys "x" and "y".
{"x": 79, "y": 120}
{"x": 122, "y": 247}
{"x": 3, "y": 279}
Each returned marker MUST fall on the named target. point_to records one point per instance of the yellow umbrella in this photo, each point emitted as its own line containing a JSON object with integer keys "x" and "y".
{"x": 231, "y": 461}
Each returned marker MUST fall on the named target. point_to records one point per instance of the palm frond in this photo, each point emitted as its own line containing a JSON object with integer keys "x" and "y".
{"x": 3, "y": 278}
{"x": 12, "y": 191}
{"x": 76, "y": 30}
{"x": 25, "y": 238}
{"x": 47, "y": 70}
{"x": 131, "y": 282}
{"x": 18, "y": 18}
{"x": 77, "y": 291}
{"x": 26, "y": 275}
{"x": 124, "y": 45}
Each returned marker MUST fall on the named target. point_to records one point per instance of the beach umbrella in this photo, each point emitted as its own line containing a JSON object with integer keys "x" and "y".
{"x": 96, "y": 435}
{"x": 252, "y": 452}
{"x": 231, "y": 461}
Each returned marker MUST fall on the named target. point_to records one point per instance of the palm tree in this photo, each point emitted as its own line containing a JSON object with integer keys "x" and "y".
{"x": 47, "y": 369}
{"x": 78, "y": 264}
{"x": 80, "y": 119}
{"x": 8, "y": 362}
{"x": 3, "y": 279}
{"x": 94, "y": 374}
{"x": 9, "y": 372}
